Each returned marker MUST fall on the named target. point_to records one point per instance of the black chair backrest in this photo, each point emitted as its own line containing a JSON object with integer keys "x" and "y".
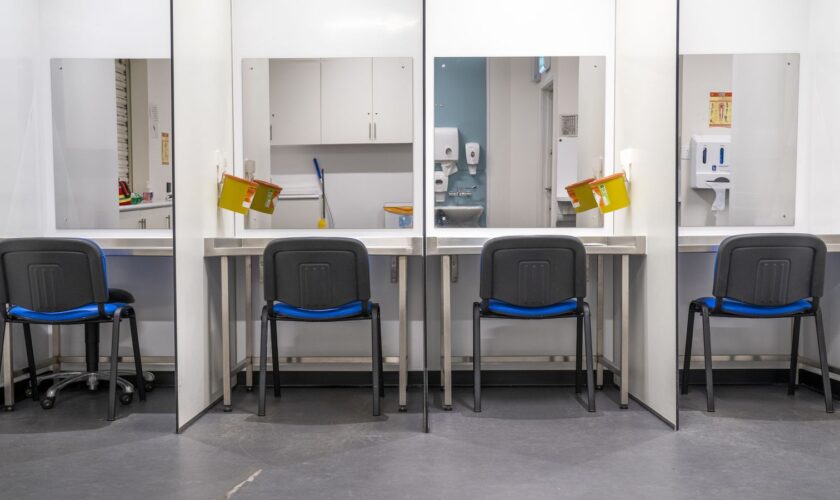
{"x": 770, "y": 269}
{"x": 52, "y": 274}
{"x": 533, "y": 271}
{"x": 316, "y": 273}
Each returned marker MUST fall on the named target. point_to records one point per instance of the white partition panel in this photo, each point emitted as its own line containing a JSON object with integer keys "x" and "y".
{"x": 645, "y": 121}
{"x": 203, "y": 135}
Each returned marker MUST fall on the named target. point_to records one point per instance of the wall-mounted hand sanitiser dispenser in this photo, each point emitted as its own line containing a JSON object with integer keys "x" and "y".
{"x": 710, "y": 168}
{"x": 446, "y": 149}
{"x": 473, "y": 152}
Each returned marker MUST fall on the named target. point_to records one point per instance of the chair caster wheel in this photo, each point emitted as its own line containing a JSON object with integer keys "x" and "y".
{"x": 447, "y": 407}
{"x": 227, "y": 408}
{"x": 9, "y": 408}
{"x": 47, "y": 403}
{"x": 249, "y": 389}
{"x": 149, "y": 386}
{"x": 402, "y": 409}
{"x": 126, "y": 398}
{"x": 28, "y": 392}
{"x": 624, "y": 407}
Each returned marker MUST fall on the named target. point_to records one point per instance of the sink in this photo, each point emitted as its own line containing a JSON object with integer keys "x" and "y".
{"x": 460, "y": 215}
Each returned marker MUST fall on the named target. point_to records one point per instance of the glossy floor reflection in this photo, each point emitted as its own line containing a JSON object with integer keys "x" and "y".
{"x": 527, "y": 443}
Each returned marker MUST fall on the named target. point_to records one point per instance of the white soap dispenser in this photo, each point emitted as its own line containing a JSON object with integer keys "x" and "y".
{"x": 473, "y": 152}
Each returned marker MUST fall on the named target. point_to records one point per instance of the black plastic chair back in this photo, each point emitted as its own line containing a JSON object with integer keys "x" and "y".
{"x": 51, "y": 274}
{"x": 316, "y": 273}
{"x": 770, "y": 269}
{"x": 533, "y": 271}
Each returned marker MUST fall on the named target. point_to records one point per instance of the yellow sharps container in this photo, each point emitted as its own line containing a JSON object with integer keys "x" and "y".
{"x": 581, "y": 195}
{"x": 236, "y": 194}
{"x": 610, "y": 192}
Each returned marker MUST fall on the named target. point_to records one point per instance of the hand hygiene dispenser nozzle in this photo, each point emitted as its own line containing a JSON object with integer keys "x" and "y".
{"x": 710, "y": 167}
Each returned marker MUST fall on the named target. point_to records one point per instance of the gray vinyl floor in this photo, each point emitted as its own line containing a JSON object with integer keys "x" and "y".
{"x": 527, "y": 443}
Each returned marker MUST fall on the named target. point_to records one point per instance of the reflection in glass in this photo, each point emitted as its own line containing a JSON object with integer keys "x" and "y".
{"x": 511, "y": 133}
{"x": 353, "y": 118}
{"x": 112, "y": 126}
{"x": 738, "y": 131}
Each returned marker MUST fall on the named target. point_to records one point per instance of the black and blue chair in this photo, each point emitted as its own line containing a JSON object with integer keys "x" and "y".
{"x": 64, "y": 281}
{"x": 317, "y": 280}
{"x": 763, "y": 276}
{"x": 534, "y": 277}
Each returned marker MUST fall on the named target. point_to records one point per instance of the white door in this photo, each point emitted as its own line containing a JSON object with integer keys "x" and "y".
{"x": 295, "y": 101}
{"x": 346, "y": 101}
{"x": 392, "y": 106}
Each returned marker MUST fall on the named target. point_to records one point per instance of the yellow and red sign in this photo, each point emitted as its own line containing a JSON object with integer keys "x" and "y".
{"x": 720, "y": 109}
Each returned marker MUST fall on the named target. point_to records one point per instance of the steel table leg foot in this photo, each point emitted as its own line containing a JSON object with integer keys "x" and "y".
{"x": 403, "y": 409}
{"x": 228, "y": 408}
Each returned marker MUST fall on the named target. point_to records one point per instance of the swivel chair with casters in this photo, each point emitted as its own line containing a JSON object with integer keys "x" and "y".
{"x": 764, "y": 276}
{"x": 534, "y": 277}
{"x": 63, "y": 281}
{"x": 317, "y": 280}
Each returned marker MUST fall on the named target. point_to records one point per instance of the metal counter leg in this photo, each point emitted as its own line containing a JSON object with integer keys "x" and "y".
{"x": 446, "y": 329}
{"x": 225, "y": 285}
{"x": 249, "y": 327}
{"x": 402, "y": 276}
{"x": 8, "y": 369}
{"x": 625, "y": 331}
{"x": 599, "y": 323}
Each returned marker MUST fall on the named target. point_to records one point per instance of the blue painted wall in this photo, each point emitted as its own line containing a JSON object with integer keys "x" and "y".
{"x": 461, "y": 101}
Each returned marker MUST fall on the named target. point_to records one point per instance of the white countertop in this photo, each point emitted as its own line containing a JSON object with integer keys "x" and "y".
{"x": 145, "y": 206}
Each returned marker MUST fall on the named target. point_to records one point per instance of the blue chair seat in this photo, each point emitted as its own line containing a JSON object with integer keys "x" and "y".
{"x": 506, "y": 309}
{"x": 347, "y": 310}
{"x": 731, "y": 306}
{"x": 89, "y": 311}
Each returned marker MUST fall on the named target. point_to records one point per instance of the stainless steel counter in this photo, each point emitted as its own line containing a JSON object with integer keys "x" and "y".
{"x": 595, "y": 245}
{"x": 710, "y": 244}
{"x": 376, "y": 245}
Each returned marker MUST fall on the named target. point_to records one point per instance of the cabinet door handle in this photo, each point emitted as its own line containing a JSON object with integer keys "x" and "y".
{"x": 369, "y": 134}
{"x": 168, "y": 222}
{"x": 374, "y": 130}
{"x": 142, "y": 223}
{"x": 271, "y": 132}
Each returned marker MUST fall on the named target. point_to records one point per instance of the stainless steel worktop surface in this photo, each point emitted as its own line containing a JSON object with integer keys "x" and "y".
{"x": 595, "y": 245}
{"x": 386, "y": 245}
{"x": 140, "y": 247}
{"x": 710, "y": 244}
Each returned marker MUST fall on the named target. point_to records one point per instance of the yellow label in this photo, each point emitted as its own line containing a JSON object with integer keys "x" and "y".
{"x": 720, "y": 109}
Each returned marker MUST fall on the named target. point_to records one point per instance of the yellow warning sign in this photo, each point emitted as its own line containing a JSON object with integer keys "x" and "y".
{"x": 720, "y": 109}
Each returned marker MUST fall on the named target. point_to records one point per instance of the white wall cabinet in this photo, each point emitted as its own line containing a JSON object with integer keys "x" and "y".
{"x": 295, "y": 102}
{"x": 357, "y": 100}
{"x": 150, "y": 218}
{"x": 392, "y": 116}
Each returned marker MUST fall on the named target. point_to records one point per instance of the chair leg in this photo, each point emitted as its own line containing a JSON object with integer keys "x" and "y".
{"x": 579, "y": 356}
{"x": 275, "y": 358}
{"x": 114, "y": 362}
{"x": 707, "y": 357}
{"x": 263, "y": 360}
{"x": 30, "y": 361}
{"x": 794, "y": 355}
{"x": 829, "y": 399}
{"x": 590, "y": 372}
{"x": 138, "y": 362}
{"x": 689, "y": 338}
{"x": 381, "y": 358}
{"x": 476, "y": 357}
{"x": 375, "y": 341}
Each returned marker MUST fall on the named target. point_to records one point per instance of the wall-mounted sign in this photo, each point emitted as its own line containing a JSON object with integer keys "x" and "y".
{"x": 720, "y": 109}
{"x": 164, "y": 148}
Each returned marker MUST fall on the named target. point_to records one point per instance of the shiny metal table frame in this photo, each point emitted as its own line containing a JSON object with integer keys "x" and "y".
{"x": 449, "y": 248}
{"x": 251, "y": 249}
{"x": 710, "y": 244}
{"x": 113, "y": 247}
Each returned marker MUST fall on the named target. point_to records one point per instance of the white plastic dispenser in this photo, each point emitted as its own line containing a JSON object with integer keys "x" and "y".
{"x": 441, "y": 186}
{"x": 472, "y": 151}
{"x": 446, "y": 150}
{"x": 710, "y": 167}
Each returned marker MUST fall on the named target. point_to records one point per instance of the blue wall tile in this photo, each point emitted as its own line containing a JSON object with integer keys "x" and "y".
{"x": 461, "y": 101}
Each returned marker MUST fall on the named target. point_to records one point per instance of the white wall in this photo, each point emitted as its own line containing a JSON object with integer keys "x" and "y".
{"x": 646, "y": 66}
{"x": 202, "y": 75}
{"x": 160, "y": 96}
{"x": 783, "y": 26}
